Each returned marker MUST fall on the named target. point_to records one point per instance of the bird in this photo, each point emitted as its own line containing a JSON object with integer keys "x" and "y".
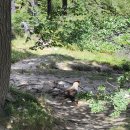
{"x": 71, "y": 92}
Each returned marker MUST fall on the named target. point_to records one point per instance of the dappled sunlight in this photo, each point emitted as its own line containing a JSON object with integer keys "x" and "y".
{"x": 41, "y": 77}
{"x": 80, "y": 117}
{"x": 85, "y": 55}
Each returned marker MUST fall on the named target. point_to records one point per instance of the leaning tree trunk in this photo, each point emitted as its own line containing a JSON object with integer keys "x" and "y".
{"x": 49, "y": 9}
{"x": 5, "y": 48}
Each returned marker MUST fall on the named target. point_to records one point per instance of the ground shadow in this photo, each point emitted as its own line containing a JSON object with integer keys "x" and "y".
{"x": 66, "y": 62}
{"x": 82, "y": 118}
{"x": 56, "y": 67}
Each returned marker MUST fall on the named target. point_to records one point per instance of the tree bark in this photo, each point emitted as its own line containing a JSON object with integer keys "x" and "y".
{"x": 64, "y": 7}
{"x": 48, "y": 8}
{"x": 5, "y": 48}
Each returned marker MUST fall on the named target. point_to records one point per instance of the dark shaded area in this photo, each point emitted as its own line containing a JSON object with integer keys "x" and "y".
{"x": 25, "y": 109}
{"x": 101, "y": 67}
{"x": 49, "y": 9}
{"x": 64, "y": 7}
{"x": 128, "y": 118}
{"x": 77, "y": 65}
{"x": 59, "y": 57}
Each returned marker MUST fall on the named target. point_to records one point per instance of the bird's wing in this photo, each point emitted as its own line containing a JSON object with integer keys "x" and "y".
{"x": 69, "y": 88}
{"x": 71, "y": 92}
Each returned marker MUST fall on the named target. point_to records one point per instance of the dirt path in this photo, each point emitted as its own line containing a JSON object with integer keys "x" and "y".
{"x": 40, "y": 75}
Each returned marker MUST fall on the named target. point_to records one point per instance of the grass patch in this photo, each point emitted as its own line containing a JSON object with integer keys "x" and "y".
{"x": 21, "y": 51}
{"x": 19, "y": 55}
{"x": 123, "y": 39}
{"x": 27, "y": 113}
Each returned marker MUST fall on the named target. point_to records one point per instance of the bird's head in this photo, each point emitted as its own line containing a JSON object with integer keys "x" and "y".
{"x": 76, "y": 83}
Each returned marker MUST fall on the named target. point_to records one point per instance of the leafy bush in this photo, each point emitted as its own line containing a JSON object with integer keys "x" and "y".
{"x": 118, "y": 99}
{"x": 83, "y": 32}
{"x": 96, "y": 105}
{"x": 88, "y": 24}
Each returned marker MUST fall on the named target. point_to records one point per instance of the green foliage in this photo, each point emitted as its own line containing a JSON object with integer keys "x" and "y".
{"x": 80, "y": 32}
{"x": 26, "y": 112}
{"x": 118, "y": 99}
{"x": 19, "y": 55}
{"x": 121, "y": 7}
{"x": 88, "y": 25}
{"x": 96, "y": 106}
{"x": 124, "y": 80}
{"x": 18, "y": 17}
{"x": 123, "y": 39}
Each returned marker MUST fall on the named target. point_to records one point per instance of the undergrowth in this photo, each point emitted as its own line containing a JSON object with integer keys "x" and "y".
{"x": 118, "y": 99}
{"x": 88, "y": 25}
{"x": 27, "y": 113}
{"x": 20, "y": 55}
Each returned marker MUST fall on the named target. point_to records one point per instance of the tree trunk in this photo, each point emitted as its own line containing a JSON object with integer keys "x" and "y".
{"x": 48, "y": 8}
{"x": 64, "y": 7}
{"x": 5, "y": 48}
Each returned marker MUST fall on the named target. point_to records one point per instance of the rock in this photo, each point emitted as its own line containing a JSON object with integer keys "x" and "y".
{"x": 63, "y": 84}
{"x": 56, "y": 89}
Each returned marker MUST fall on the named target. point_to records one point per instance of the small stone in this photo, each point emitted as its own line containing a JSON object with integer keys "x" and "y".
{"x": 56, "y": 89}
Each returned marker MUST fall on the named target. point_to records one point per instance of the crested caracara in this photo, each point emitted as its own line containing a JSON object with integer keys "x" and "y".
{"x": 72, "y": 91}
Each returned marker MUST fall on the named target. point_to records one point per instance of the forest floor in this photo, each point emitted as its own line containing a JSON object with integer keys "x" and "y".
{"x": 41, "y": 75}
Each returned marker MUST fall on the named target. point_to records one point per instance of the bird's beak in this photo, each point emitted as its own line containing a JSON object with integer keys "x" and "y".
{"x": 80, "y": 86}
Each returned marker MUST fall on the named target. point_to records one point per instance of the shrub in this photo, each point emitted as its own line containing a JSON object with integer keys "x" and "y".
{"x": 27, "y": 113}
{"x": 119, "y": 99}
{"x": 88, "y": 23}
{"x": 18, "y": 17}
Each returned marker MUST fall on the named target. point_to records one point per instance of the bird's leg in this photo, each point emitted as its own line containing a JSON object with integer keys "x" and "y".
{"x": 63, "y": 101}
{"x": 76, "y": 102}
